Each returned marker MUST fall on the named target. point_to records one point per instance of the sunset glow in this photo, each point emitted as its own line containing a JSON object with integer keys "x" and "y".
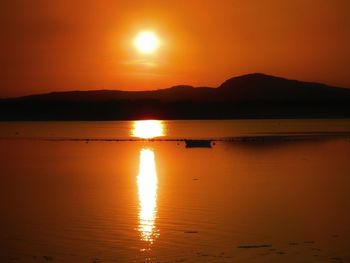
{"x": 175, "y": 131}
{"x": 146, "y": 42}
{"x": 148, "y": 45}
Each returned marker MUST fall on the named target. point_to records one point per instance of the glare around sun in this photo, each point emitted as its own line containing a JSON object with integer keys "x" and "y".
{"x": 146, "y": 42}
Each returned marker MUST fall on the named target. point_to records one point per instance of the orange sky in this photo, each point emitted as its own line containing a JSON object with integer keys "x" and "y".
{"x": 87, "y": 44}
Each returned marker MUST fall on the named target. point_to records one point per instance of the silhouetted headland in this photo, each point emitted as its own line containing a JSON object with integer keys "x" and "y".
{"x": 248, "y": 96}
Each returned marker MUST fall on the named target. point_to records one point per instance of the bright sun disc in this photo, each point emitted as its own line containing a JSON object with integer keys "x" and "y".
{"x": 146, "y": 42}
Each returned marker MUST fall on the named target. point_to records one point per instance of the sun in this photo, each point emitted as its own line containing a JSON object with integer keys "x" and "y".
{"x": 146, "y": 42}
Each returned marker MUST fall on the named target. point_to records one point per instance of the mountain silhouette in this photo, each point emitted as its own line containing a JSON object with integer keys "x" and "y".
{"x": 249, "y": 96}
{"x": 263, "y": 87}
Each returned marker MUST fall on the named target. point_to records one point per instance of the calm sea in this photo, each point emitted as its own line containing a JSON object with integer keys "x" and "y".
{"x": 81, "y": 192}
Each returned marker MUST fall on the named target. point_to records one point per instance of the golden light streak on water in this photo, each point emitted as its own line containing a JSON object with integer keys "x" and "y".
{"x": 148, "y": 129}
{"x": 147, "y": 183}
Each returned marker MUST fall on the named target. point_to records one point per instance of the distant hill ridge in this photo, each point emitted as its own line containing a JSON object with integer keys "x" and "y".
{"x": 249, "y": 96}
{"x": 246, "y": 87}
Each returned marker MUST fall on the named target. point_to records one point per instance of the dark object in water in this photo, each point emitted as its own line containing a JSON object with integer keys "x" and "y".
{"x": 191, "y": 232}
{"x": 309, "y": 242}
{"x": 339, "y": 259}
{"x": 254, "y": 246}
{"x": 280, "y": 252}
{"x": 198, "y": 143}
{"x": 48, "y": 258}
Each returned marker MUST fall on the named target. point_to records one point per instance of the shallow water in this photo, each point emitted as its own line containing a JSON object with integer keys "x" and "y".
{"x": 171, "y": 129}
{"x": 71, "y": 201}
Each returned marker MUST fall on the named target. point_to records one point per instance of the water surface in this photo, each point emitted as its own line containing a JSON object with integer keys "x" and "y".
{"x": 269, "y": 201}
{"x": 169, "y": 129}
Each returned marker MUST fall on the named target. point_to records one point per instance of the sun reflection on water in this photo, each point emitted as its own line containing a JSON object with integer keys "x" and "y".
{"x": 147, "y": 183}
{"x": 148, "y": 129}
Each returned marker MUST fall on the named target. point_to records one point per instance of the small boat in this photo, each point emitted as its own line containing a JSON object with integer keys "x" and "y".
{"x": 198, "y": 143}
